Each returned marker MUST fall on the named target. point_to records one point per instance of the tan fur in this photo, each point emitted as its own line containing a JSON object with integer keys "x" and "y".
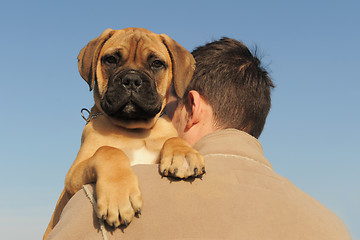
{"x": 109, "y": 146}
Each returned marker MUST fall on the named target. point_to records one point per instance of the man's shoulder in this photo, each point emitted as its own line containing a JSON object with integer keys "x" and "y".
{"x": 234, "y": 192}
{"x": 232, "y": 201}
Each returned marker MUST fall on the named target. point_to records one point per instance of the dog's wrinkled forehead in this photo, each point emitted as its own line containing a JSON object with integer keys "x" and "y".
{"x": 136, "y": 45}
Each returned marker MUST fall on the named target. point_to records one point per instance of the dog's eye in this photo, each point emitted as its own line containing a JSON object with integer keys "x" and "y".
{"x": 157, "y": 64}
{"x": 110, "y": 60}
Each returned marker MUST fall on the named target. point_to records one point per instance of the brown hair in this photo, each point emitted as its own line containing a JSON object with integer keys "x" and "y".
{"x": 231, "y": 79}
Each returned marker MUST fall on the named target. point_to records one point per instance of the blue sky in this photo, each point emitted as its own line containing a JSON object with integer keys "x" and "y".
{"x": 311, "y": 49}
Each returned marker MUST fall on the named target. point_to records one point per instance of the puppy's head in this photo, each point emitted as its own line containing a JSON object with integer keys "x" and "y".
{"x": 131, "y": 71}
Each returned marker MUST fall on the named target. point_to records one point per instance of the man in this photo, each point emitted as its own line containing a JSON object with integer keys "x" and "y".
{"x": 222, "y": 114}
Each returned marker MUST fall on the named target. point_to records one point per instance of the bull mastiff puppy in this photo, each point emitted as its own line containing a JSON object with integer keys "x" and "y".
{"x": 130, "y": 72}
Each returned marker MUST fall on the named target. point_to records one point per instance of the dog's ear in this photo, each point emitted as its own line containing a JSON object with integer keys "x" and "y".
{"x": 183, "y": 64}
{"x": 89, "y": 55}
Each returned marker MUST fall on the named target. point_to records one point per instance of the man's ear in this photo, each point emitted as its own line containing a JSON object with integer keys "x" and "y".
{"x": 183, "y": 64}
{"x": 194, "y": 108}
{"x": 89, "y": 55}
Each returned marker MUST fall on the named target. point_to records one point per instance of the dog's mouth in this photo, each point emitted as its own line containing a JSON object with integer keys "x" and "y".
{"x": 131, "y": 96}
{"x": 131, "y": 110}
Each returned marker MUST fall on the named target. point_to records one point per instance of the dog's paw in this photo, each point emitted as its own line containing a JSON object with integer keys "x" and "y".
{"x": 179, "y": 159}
{"x": 118, "y": 200}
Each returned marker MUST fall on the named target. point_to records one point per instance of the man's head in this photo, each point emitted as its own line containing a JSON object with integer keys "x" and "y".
{"x": 231, "y": 85}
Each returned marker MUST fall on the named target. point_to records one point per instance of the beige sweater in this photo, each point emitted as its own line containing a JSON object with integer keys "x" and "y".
{"x": 240, "y": 197}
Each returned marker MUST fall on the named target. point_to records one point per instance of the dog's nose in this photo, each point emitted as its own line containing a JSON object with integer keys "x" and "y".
{"x": 131, "y": 81}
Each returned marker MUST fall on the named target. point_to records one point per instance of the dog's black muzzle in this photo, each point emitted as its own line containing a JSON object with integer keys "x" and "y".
{"x": 131, "y": 95}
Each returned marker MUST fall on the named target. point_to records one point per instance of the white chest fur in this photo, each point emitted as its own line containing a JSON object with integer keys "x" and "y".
{"x": 142, "y": 156}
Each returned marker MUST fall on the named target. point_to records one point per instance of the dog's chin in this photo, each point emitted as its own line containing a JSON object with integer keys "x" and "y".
{"x": 135, "y": 123}
{"x": 132, "y": 114}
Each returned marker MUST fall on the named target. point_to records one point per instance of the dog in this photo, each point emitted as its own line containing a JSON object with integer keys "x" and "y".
{"x": 130, "y": 72}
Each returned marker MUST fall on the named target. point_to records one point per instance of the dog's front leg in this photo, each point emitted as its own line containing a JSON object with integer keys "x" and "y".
{"x": 117, "y": 188}
{"x": 180, "y": 160}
